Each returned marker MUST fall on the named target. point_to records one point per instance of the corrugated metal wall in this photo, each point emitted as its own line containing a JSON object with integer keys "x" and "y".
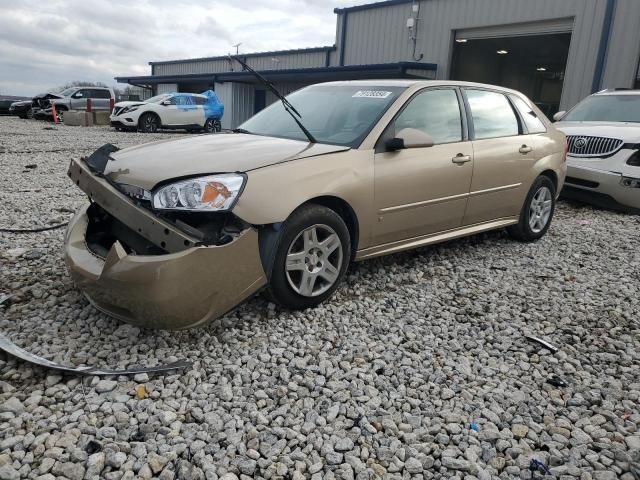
{"x": 237, "y": 99}
{"x": 261, "y": 62}
{"x": 166, "y": 88}
{"x": 624, "y": 45}
{"x": 380, "y": 35}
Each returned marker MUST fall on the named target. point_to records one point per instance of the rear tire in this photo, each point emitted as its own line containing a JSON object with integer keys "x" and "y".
{"x": 312, "y": 258}
{"x": 537, "y": 211}
{"x": 149, "y": 123}
{"x": 212, "y": 125}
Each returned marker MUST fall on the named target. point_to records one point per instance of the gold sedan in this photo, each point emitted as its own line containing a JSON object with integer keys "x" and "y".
{"x": 179, "y": 232}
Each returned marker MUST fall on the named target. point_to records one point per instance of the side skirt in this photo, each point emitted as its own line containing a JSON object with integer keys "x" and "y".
{"x": 424, "y": 240}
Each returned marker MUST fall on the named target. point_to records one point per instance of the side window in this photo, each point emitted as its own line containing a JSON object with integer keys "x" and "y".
{"x": 78, "y": 94}
{"x": 99, "y": 93}
{"x": 436, "y": 112}
{"x": 492, "y": 114}
{"x": 200, "y": 100}
{"x": 531, "y": 120}
{"x": 173, "y": 100}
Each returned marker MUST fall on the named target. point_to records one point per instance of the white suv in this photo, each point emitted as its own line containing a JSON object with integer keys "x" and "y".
{"x": 603, "y": 162}
{"x": 188, "y": 111}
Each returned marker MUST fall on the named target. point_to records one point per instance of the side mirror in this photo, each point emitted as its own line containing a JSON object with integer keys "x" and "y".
{"x": 165, "y": 102}
{"x": 409, "y": 138}
{"x": 558, "y": 116}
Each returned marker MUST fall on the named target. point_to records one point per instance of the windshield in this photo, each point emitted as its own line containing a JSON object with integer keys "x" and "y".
{"x": 66, "y": 92}
{"x": 158, "y": 98}
{"x": 335, "y": 114}
{"x": 606, "y": 108}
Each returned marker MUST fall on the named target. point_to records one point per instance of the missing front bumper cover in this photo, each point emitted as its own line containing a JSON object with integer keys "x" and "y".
{"x": 116, "y": 255}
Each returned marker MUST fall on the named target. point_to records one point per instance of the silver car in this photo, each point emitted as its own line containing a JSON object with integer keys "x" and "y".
{"x": 603, "y": 161}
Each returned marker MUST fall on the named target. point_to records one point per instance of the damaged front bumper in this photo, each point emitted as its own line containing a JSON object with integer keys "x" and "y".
{"x": 188, "y": 286}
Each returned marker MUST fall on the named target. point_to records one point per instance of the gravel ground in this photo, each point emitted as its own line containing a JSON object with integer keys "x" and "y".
{"x": 417, "y": 368}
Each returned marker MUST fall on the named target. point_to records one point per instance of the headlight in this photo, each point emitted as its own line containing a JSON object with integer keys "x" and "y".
{"x": 213, "y": 193}
{"x": 129, "y": 109}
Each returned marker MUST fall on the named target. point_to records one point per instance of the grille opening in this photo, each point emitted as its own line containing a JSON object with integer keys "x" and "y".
{"x": 581, "y": 182}
{"x": 104, "y": 229}
{"x": 210, "y": 229}
{"x": 587, "y": 146}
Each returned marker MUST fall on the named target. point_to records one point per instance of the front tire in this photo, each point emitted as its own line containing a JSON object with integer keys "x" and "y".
{"x": 537, "y": 211}
{"x": 149, "y": 123}
{"x": 312, "y": 258}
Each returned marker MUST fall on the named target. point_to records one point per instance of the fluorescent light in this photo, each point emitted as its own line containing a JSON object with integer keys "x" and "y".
{"x": 541, "y": 69}
{"x": 461, "y": 40}
{"x": 502, "y": 52}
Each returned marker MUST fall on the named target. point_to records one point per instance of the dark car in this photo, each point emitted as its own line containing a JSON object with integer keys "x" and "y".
{"x": 22, "y": 109}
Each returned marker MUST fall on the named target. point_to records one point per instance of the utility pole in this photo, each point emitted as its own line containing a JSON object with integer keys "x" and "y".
{"x": 237, "y": 45}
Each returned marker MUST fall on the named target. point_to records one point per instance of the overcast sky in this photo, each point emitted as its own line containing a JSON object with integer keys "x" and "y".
{"x": 47, "y": 43}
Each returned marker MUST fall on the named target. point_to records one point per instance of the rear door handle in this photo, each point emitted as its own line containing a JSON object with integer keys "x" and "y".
{"x": 525, "y": 149}
{"x": 460, "y": 159}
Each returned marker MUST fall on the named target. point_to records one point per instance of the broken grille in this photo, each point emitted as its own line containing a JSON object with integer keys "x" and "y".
{"x": 584, "y": 146}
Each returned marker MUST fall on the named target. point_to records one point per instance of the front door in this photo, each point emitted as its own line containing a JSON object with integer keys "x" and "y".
{"x": 420, "y": 191}
{"x": 503, "y": 158}
{"x": 79, "y": 99}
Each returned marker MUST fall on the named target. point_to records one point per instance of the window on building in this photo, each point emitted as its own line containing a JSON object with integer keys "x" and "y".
{"x": 492, "y": 114}
{"x": 436, "y": 112}
{"x": 531, "y": 120}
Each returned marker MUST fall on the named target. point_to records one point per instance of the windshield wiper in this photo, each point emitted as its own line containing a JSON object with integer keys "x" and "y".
{"x": 291, "y": 110}
{"x": 240, "y": 130}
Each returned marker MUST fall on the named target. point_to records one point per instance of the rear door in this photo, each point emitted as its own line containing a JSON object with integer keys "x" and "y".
{"x": 100, "y": 98}
{"x": 420, "y": 191}
{"x": 503, "y": 153}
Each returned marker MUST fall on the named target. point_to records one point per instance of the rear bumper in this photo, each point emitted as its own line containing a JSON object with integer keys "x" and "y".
{"x": 182, "y": 289}
{"x": 600, "y": 187}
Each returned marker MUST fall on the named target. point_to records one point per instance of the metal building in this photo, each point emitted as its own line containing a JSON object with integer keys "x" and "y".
{"x": 555, "y": 51}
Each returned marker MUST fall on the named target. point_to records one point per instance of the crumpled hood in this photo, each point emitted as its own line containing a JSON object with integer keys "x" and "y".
{"x": 47, "y": 95}
{"x": 627, "y": 132}
{"x": 147, "y": 165}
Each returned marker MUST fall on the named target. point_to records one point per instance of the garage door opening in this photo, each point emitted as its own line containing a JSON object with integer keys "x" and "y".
{"x": 532, "y": 64}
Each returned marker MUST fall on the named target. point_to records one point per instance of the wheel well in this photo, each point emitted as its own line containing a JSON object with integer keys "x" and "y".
{"x": 347, "y": 214}
{"x": 552, "y": 176}
{"x": 149, "y": 113}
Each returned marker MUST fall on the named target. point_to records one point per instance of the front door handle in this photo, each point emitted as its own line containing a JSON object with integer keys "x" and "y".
{"x": 525, "y": 149}
{"x": 460, "y": 159}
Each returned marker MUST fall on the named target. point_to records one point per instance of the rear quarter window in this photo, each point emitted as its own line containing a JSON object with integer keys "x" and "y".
{"x": 492, "y": 114}
{"x": 531, "y": 120}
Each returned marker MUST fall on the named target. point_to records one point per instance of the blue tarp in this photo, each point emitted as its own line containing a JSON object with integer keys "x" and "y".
{"x": 213, "y": 108}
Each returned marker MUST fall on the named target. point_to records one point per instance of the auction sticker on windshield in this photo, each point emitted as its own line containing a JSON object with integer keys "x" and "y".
{"x": 371, "y": 94}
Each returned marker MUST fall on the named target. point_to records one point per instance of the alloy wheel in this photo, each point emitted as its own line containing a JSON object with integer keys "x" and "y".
{"x": 540, "y": 209}
{"x": 149, "y": 124}
{"x": 314, "y": 260}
